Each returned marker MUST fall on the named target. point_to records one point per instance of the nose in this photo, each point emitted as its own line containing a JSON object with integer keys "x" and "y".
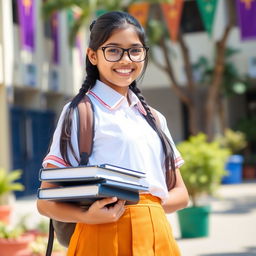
{"x": 125, "y": 57}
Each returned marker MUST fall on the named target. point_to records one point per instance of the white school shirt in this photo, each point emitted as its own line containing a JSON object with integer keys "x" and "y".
{"x": 122, "y": 137}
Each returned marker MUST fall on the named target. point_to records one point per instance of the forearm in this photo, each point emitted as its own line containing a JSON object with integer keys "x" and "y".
{"x": 177, "y": 199}
{"x": 60, "y": 211}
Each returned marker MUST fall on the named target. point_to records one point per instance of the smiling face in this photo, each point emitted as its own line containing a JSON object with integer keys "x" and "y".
{"x": 118, "y": 75}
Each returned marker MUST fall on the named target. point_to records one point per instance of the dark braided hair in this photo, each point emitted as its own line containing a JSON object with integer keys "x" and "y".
{"x": 166, "y": 144}
{"x": 101, "y": 29}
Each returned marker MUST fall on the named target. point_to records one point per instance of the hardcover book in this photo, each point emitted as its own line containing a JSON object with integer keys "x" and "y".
{"x": 97, "y": 172}
{"x": 86, "y": 194}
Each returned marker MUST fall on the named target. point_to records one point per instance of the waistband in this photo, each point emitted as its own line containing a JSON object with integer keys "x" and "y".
{"x": 146, "y": 200}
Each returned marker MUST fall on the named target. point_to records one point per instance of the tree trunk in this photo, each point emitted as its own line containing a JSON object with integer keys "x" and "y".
{"x": 193, "y": 124}
{"x": 214, "y": 89}
{"x": 221, "y": 114}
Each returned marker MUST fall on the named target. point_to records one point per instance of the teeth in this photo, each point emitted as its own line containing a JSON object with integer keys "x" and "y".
{"x": 123, "y": 71}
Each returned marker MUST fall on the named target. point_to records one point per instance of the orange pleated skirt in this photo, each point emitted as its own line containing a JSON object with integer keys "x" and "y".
{"x": 143, "y": 230}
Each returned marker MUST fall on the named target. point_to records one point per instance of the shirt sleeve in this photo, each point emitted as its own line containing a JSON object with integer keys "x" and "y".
{"x": 54, "y": 156}
{"x": 177, "y": 156}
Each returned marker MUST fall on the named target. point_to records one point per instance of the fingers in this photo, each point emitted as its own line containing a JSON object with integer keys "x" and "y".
{"x": 100, "y": 211}
{"x": 121, "y": 209}
{"x": 118, "y": 209}
{"x": 104, "y": 202}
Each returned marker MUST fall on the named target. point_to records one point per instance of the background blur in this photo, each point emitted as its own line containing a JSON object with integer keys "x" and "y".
{"x": 201, "y": 74}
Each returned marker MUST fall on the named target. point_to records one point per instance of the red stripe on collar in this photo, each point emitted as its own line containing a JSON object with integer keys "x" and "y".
{"x": 100, "y": 100}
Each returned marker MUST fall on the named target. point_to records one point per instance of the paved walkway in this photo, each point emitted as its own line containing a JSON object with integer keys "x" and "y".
{"x": 232, "y": 223}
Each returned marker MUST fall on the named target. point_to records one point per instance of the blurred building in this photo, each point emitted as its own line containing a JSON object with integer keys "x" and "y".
{"x": 37, "y": 78}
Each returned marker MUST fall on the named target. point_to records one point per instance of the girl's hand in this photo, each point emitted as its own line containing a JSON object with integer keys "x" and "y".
{"x": 99, "y": 212}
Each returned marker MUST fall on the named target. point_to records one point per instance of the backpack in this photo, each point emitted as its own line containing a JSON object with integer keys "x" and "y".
{"x": 64, "y": 230}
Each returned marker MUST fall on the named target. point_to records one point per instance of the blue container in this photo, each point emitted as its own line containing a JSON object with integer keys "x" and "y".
{"x": 234, "y": 167}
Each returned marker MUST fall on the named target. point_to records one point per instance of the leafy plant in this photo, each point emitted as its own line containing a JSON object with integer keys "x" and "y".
{"x": 38, "y": 246}
{"x": 8, "y": 232}
{"x": 233, "y": 140}
{"x": 8, "y": 184}
{"x": 43, "y": 226}
{"x": 204, "y": 165}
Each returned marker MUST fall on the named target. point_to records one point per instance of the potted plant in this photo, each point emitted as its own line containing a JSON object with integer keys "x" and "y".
{"x": 202, "y": 173}
{"x": 38, "y": 247}
{"x": 235, "y": 141}
{"x": 8, "y": 184}
{"x": 14, "y": 240}
{"x": 249, "y": 167}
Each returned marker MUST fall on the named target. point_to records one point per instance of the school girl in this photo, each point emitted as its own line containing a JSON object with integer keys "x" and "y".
{"x": 127, "y": 135}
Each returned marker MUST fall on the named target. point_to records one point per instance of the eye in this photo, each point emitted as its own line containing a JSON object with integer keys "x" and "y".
{"x": 136, "y": 51}
{"x": 113, "y": 50}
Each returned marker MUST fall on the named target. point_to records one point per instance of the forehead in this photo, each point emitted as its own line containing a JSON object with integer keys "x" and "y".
{"x": 124, "y": 37}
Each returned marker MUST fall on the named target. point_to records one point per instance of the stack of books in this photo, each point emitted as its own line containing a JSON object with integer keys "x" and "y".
{"x": 83, "y": 185}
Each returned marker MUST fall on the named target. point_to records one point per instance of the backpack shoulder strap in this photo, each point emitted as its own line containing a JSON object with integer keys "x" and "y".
{"x": 86, "y": 129}
{"x": 85, "y": 139}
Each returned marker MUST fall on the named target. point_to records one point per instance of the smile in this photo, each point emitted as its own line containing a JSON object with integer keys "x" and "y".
{"x": 123, "y": 71}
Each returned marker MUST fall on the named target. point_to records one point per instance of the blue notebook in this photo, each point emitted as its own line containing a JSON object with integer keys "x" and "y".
{"x": 86, "y": 194}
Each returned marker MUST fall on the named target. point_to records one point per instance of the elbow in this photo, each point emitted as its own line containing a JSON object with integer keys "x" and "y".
{"x": 40, "y": 207}
{"x": 185, "y": 202}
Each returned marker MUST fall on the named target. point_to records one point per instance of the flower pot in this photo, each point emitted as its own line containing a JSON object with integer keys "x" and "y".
{"x": 234, "y": 167}
{"x": 249, "y": 172}
{"x": 194, "y": 221}
{"x": 16, "y": 247}
{"x": 5, "y": 213}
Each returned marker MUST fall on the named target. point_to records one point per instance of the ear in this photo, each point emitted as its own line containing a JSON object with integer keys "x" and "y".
{"x": 92, "y": 56}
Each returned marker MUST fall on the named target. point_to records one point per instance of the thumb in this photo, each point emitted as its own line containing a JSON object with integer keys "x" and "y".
{"x": 103, "y": 202}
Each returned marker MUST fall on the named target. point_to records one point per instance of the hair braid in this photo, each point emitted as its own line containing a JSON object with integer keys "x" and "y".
{"x": 65, "y": 138}
{"x": 166, "y": 144}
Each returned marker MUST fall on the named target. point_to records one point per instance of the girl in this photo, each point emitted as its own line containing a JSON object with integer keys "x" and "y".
{"x": 126, "y": 134}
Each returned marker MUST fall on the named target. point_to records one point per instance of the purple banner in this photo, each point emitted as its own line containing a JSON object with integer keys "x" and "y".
{"x": 26, "y": 11}
{"x": 246, "y": 12}
{"x": 55, "y": 37}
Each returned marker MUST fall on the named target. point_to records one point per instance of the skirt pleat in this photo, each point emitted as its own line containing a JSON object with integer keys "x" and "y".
{"x": 124, "y": 227}
{"x": 162, "y": 243}
{"x": 108, "y": 237}
{"x": 143, "y": 230}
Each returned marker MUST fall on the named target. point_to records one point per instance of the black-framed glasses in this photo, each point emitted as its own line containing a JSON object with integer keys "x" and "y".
{"x": 115, "y": 53}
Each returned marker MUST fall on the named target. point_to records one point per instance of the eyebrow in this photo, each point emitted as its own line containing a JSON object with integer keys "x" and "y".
{"x": 116, "y": 44}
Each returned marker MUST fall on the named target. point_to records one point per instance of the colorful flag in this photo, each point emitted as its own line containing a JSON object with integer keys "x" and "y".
{"x": 26, "y": 12}
{"x": 140, "y": 12}
{"x": 172, "y": 14}
{"x": 207, "y": 9}
{"x": 246, "y": 12}
{"x": 55, "y": 37}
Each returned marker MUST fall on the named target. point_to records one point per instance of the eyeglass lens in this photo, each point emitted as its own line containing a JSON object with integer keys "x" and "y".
{"x": 135, "y": 54}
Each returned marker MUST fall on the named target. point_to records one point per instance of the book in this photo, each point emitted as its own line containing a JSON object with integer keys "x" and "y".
{"x": 112, "y": 183}
{"x": 95, "y": 172}
{"x": 86, "y": 194}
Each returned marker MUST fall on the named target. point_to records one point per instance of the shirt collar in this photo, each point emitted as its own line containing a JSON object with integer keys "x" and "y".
{"x": 111, "y": 99}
